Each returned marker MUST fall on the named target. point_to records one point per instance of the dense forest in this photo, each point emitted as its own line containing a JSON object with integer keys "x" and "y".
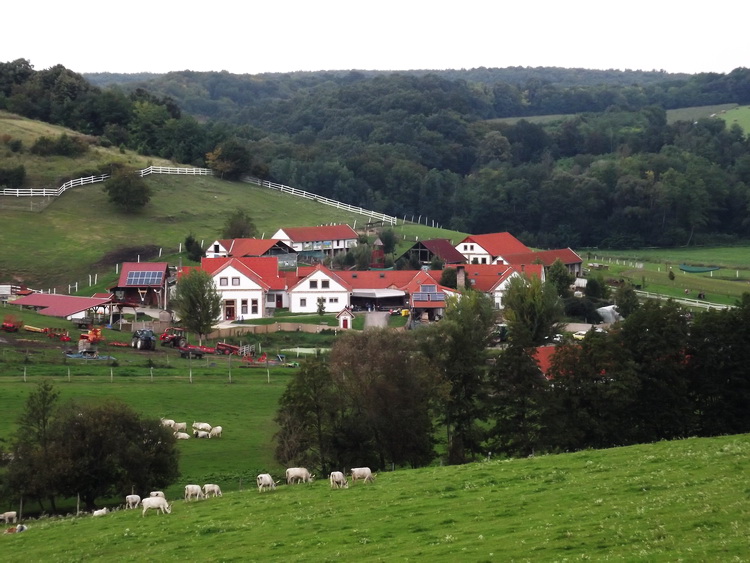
{"x": 608, "y": 171}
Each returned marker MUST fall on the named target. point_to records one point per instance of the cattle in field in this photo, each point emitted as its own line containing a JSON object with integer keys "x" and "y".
{"x": 167, "y": 422}
{"x": 363, "y": 473}
{"x": 157, "y": 494}
{"x": 201, "y": 434}
{"x": 193, "y": 491}
{"x": 265, "y": 481}
{"x": 298, "y": 475}
{"x": 179, "y": 427}
{"x": 181, "y": 436}
{"x": 131, "y": 501}
{"x": 215, "y": 432}
{"x": 9, "y": 517}
{"x": 338, "y": 480}
{"x": 211, "y": 489}
{"x": 156, "y": 503}
{"x": 204, "y": 426}
{"x": 100, "y": 512}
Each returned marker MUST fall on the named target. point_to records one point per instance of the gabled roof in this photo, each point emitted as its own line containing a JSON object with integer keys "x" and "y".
{"x": 264, "y": 268}
{"x": 381, "y": 279}
{"x": 498, "y": 244}
{"x": 443, "y": 249}
{"x": 241, "y": 247}
{"x": 303, "y": 272}
{"x": 546, "y": 257}
{"x": 323, "y": 232}
{"x": 54, "y": 305}
{"x": 131, "y": 267}
{"x": 485, "y": 277}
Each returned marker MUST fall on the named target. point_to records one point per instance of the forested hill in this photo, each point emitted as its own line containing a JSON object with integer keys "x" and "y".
{"x": 609, "y": 170}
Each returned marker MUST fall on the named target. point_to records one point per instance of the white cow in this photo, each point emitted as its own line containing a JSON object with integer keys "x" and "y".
{"x": 100, "y": 512}
{"x": 205, "y": 426}
{"x": 265, "y": 481}
{"x": 201, "y": 434}
{"x": 167, "y": 422}
{"x": 363, "y": 473}
{"x": 156, "y": 503}
{"x": 338, "y": 480}
{"x": 210, "y": 488}
{"x": 9, "y": 517}
{"x": 193, "y": 491}
{"x": 298, "y": 475}
{"x": 131, "y": 501}
{"x": 215, "y": 432}
{"x": 181, "y": 436}
{"x": 157, "y": 494}
{"x": 179, "y": 426}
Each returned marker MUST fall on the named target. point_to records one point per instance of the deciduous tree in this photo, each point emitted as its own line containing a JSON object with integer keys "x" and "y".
{"x": 127, "y": 190}
{"x": 197, "y": 302}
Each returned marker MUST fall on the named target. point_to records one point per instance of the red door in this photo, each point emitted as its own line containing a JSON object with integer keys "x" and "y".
{"x": 279, "y": 302}
{"x": 345, "y": 324}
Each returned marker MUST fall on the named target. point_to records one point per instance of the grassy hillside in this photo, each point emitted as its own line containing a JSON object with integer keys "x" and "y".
{"x": 672, "y": 501}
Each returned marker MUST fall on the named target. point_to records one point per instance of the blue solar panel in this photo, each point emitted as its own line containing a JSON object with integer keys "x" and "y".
{"x": 144, "y": 278}
{"x": 437, "y": 296}
{"x": 428, "y": 288}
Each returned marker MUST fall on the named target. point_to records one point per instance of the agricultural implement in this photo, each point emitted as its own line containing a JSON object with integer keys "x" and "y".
{"x": 191, "y": 351}
{"x": 11, "y": 323}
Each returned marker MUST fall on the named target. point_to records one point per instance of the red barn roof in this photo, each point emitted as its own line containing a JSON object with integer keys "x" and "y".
{"x": 54, "y": 305}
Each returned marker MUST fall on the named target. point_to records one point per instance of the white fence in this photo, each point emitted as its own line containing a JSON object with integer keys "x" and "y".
{"x": 320, "y": 199}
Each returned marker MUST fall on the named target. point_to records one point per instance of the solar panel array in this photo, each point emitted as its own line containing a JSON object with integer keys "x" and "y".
{"x": 428, "y": 297}
{"x": 145, "y": 278}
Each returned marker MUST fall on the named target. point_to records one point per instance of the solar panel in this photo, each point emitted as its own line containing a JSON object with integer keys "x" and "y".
{"x": 437, "y": 296}
{"x": 421, "y": 297}
{"x": 145, "y": 278}
{"x": 428, "y": 288}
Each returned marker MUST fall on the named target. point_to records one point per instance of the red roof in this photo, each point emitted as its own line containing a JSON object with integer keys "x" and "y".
{"x": 485, "y": 277}
{"x": 498, "y": 244}
{"x": 444, "y": 249}
{"x": 128, "y": 267}
{"x": 546, "y": 257}
{"x": 240, "y": 247}
{"x": 264, "y": 268}
{"x": 321, "y": 233}
{"x": 54, "y": 305}
{"x": 543, "y": 357}
{"x": 294, "y": 278}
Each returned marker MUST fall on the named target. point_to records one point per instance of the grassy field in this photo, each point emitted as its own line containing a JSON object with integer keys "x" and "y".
{"x": 672, "y": 501}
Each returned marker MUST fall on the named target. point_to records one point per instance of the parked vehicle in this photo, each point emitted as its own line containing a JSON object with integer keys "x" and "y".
{"x": 174, "y": 336}
{"x": 143, "y": 339}
{"x": 11, "y": 324}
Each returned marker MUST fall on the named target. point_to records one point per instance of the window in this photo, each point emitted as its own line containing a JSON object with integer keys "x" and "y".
{"x": 484, "y": 260}
{"x": 471, "y": 247}
{"x": 216, "y": 249}
{"x": 223, "y": 282}
{"x": 244, "y": 307}
{"x": 313, "y": 284}
{"x": 235, "y": 281}
{"x": 254, "y": 304}
{"x": 333, "y": 299}
{"x": 324, "y": 284}
{"x": 270, "y": 298}
{"x": 303, "y": 302}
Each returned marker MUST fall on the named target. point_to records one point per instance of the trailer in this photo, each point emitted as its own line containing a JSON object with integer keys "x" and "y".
{"x": 192, "y": 351}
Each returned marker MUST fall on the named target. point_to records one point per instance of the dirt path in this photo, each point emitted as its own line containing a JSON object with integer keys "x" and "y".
{"x": 376, "y": 319}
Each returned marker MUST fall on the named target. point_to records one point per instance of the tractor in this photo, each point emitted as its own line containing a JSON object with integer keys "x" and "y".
{"x": 174, "y": 336}
{"x": 11, "y": 323}
{"x": 143, "y": 339}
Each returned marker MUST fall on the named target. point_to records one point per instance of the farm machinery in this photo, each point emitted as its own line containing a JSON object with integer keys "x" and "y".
{"x": 174, "y": 336}
{"x": 143, "y": 339}
{"x": 11, "y": 323}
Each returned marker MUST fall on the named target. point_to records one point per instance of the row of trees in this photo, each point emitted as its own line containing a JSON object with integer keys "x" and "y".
{"x": 383, "y": 397}
{"x": 94, "y": 451}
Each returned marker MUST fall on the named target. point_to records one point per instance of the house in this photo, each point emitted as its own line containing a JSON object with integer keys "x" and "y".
{"x": 490, "y": 248}
{"x": 494, "y": 279}
{"x": 144, "y": 284}
{"x": 308, "y": 284}
{"x": 345, "y": 318}
{"x": 424, "y": 252}
{"x": 318, "y": 242}
{"x": 247, "y": 286}
{"x": 572, "y": 261}
{"x": 253, "y": 247}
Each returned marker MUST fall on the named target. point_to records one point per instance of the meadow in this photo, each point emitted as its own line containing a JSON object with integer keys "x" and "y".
{"x": 683, "y": 500}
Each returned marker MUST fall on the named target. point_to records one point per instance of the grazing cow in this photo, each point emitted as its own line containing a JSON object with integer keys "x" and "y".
{"x": 157, "y": 494}
{"x": 215, "y": 432}
{"x": 100, "y": 512}
{"x": 131, "y": 501}
{"x": 179, "y": 427}
{"x": 210, "y": 488}
{"x": 156, "y": 503}
{"x": 193, "y": 491}
{"x": 201, "y": 434}
{"x": 363, "y": 473}
{"x": 338, "y": 480}
{"x": 9, "y": 517}
{"x": 265, "y": 481}
{"x": 205, "y": 426}
{"x": 298, "y": 475}
{"x": 167, "y": 422}
{"x": 181, "y": 436}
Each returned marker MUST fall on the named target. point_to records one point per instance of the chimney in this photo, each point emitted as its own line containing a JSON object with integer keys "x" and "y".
{"x": 460, "y": 277}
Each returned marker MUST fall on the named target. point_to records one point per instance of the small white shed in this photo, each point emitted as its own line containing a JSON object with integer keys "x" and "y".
{"x": 345, "y": 318}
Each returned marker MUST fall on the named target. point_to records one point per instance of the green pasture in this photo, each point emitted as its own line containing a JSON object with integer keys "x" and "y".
{"x": 671, "y": 501}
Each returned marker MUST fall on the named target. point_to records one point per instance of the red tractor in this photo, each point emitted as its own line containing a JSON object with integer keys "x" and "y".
{"x": 11, "y": 324}
{"x": 174, "y": 336}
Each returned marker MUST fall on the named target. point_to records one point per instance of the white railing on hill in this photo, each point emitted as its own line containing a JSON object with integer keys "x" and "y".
{"x": 320, "y": 199}
{"x": 56, "y": 192}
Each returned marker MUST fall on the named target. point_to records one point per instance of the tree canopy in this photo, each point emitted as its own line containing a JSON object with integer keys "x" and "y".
{"x": 196, "y": 301}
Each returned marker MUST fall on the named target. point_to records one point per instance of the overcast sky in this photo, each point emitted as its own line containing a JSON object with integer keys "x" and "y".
{"x": 282, "y": 36}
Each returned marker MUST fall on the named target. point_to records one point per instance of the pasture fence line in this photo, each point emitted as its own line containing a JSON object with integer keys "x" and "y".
{"x": 681, "y": 300}
{"x": 391, "y": 220}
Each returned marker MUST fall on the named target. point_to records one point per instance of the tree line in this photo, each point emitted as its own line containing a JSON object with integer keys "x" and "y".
{"x": 384, "y": 398}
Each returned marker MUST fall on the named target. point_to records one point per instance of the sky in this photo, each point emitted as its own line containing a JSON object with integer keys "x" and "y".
{"x": 252, "y": 37}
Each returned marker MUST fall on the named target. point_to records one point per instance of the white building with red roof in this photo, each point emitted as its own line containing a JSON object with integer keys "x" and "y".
{"x": 307, "y": 285}
{"x": 490, "y": 248}
{"x": 253, "y": 247}
{"x": 494, "y": 279}
{"x": 318, "y": 242}
{"x": 567, "y": 256}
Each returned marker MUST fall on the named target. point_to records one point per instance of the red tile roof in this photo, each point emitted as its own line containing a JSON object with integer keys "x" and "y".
{"x": 543, "y": 357}
{"x": 250, "y": 246}
{"x": 444, "y": 249}
{"x": 55, "y": 305}
{"x": 128, "y": 267}
{"x": 546, "y": 257}
{"x": 321, "y": 233}
{"x": 264, "y": 268}
{"x": 498, "y": 244}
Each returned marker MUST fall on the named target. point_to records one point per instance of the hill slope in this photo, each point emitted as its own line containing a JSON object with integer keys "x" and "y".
{"x": 683, "y": 500}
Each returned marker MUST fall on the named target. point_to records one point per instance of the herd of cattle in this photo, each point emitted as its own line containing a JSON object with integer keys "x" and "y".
{"x": 200, "y": 429}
